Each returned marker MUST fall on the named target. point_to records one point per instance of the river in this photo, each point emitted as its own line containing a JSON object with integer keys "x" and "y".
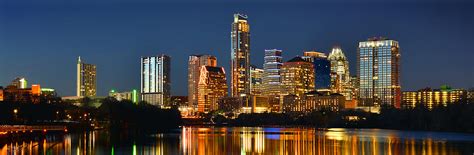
{"x": 247, "y": 140}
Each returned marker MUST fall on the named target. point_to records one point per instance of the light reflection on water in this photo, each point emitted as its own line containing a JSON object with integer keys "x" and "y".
{"x": 248, "y": 140}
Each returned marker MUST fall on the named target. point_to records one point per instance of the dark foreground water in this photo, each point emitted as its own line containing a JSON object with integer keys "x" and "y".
{"x": 247, "y": 140}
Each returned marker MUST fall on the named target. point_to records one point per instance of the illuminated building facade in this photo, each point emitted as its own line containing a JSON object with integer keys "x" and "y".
{"x": 470, "y": 95}
{"x": 179, "y": 101}
{"x": 340, "y": 77}
{"x": 35, "y": 89}
{"x": 18, "y": 93}
{"x": 212, "y": 87}
{"x": 315, "y": 100}
{"x": 86, "y": 79}
{"x": 271, "y": 75}
{"x": 256, "y": 81}
{"x": 378, "y": 72}
{"x": 131, "y": 95}
{"x": 1, "y": 94}
{"x": 291, "y": 103}
{"x": 322, "y": 69}
{"x": 433, "y": 97}
{"x": 229, "y": 104}
{"x": 297, "y": 77}
{"x": 156, "y": 80}
{"x": 194, "y": 72}
{"x": 20, "y": 83}
{"x": 240, "y": 56}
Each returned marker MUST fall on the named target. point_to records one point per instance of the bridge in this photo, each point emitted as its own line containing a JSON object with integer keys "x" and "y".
{"x": 6, "y": 129}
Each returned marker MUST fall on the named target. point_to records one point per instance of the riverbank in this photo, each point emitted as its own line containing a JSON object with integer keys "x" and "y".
{"x": 450, "y": 118}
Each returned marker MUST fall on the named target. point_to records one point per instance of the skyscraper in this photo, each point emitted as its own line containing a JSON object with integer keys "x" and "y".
{"x": 240, "y": 56}
{"x": 271, "y": 76}
{"x": 297, "y": 77}
{"x": 86, "y": 79}
{"x": 194, "y": 72}
{"x": 212, "y": 87}
{"x": 256, "y": 80}
{"x": 340, "y": 77}
{"x": 156, "y": 80}
{"x": 322, "y": 69}
{"x": 379, "y": 72}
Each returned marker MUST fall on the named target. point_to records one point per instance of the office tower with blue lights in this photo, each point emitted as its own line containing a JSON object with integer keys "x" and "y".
{"x": 378, "y": 71}
{"x": 156, "y": 80}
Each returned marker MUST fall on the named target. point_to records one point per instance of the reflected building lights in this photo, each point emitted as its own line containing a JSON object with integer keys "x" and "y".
{"x": 248, "y": 140}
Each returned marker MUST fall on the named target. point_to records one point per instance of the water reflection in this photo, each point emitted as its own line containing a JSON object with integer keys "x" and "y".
{"x": 246, "y": 140}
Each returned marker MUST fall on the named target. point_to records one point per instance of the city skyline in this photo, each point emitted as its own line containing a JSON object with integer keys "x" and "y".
{"x": 111, "y": 78}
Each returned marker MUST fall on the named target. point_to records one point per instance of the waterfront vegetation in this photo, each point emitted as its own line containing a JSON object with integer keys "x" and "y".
{"x": 109, "y": 114}
{"x": 457, "y": 117}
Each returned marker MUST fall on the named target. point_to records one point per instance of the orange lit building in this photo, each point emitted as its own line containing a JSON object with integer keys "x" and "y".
{"x": 36, "y": 89}
{"x": 212, "y": 87}
{"x": 297, "y": 77}
{"x": 194, "y": 72}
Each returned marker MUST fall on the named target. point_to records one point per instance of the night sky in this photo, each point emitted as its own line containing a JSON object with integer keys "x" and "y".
{"x": 42, "y": 40}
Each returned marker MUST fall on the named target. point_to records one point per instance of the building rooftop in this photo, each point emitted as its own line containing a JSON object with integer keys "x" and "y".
{"x": 297, "y": 59}
{"x": 214, "y": 69}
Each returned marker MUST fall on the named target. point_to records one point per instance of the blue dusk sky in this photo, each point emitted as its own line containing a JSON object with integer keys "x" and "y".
{"x": 41, "y": 40}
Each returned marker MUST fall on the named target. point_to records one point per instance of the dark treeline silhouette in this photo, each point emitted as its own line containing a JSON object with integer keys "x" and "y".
{"x": 126, "y": 114}
{"x": 457, "y": 117}
{"x": 111, "y": 113}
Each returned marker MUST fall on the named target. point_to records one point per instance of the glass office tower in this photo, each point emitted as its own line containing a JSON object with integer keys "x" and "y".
{"x": 240, "y": 56}
{"x": 156, "y": 80}
{"x": 379, "y": 72}
{"x": 322, "y": 68}
{"x": 271, "y": 76}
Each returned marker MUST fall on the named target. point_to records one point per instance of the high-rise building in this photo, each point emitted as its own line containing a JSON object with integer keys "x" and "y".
{"x": 378, "y": 72}
{"x": 194, "y": 72}
{"x": 240, "y": 56}
{"x": 271, "y": 75}
{"x": 86, "y": 79}
{"x": 156, "y": 80}
{"x": 340, "y": 77}
{"x": 212, "y": 87}
{"x": 297, "y": 77}
{"x": 433, "y": 97}
{"x": 256, "y": 81}
{"x": 322, "y": 69}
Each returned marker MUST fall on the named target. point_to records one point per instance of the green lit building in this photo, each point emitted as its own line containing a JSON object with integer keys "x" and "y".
{"x": 131, "y": 95}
